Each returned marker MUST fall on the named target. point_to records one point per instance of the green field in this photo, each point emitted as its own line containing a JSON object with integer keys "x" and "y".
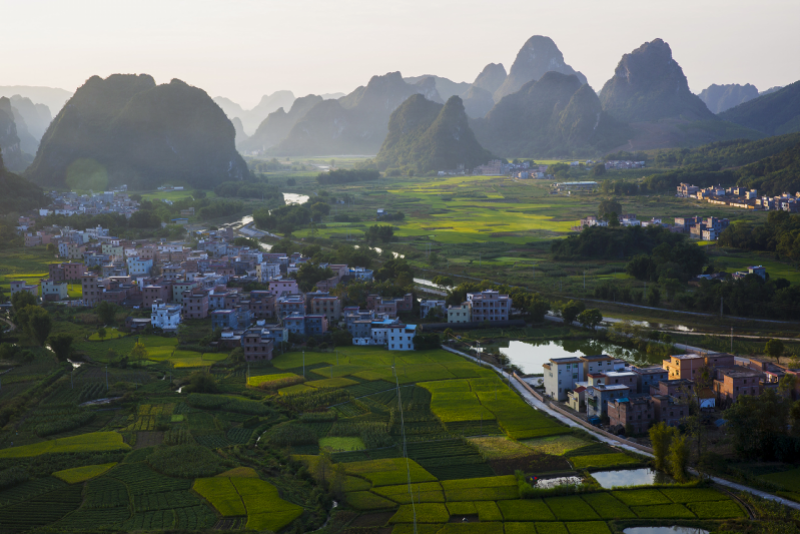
{"x": 99, "y": 441}
{"x": 81, "y": 474}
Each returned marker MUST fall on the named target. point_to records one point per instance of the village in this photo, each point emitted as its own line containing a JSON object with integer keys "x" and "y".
{"x": 740, "y": 197}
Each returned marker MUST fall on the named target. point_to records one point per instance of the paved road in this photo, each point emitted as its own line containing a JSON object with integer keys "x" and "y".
{"x": 536, "y": 403}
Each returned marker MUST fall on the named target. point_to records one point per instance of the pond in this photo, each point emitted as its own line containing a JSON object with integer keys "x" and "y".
{"x": 530, "y": 356}
{"x": 631, "y": 477}
{"x": 664, "y": 530}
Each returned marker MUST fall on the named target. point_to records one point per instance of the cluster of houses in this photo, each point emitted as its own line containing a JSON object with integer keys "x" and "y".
{"x": 178, "y": 283}
{"x": 70, "y": 203}
{"x": 739, "y": 197}
{"x": 707, "y": 229}
{"x": 623, "y": 165}
{"x": 635, "y": 398}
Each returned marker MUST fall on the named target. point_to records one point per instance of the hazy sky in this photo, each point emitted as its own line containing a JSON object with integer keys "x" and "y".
{"x": 243, "y": 49}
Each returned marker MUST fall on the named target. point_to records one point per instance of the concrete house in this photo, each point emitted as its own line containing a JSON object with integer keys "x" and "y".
{"x": 561, "y": 376}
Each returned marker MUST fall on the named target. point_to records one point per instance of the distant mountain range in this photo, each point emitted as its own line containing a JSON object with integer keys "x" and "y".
{"x": 427, "y": 136}
{"x": 125, "y": 129}
{"x": 52, "y": 97}
{"x": 775, "y": 113}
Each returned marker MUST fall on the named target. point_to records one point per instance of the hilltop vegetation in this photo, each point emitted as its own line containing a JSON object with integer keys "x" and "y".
{"x": 426, "y": 136}
{"x": 773, "y": 114}
{"x": 128, "y": 130}
{"x": 18, "y": 193}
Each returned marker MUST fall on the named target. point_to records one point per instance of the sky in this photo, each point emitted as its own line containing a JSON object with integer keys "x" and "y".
{"x": 243, "y": 49}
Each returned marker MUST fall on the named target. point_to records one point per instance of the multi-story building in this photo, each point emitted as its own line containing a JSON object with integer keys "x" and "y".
{"x": 401, "y": 337}
{"x": 153, "y": 292}
{"x": 262, "y": 304}
{"x": 599, "y": 363}
{"x": 173, "y": 273}
{"x": 284, "y": 286}
{"x": 291, "y": 303}
{"x": 113, "y": 249}
{"x": 679, "y": 389}
{"x": 489, "y": 305}
{"x": 730, "y": 383}
{"x": 330, "y": 307}
{"x": 179, "y": 289}
{"x": 648, "y": 377}
{"x": 636, "y": 415}
{"x": 52, "y": 290}
{"x": 669, "y": 410}
{"x": 459, "y": 314}
{"x": 233, "y": 319}
{"x": 598, "y": 397}
{"x": 561, "y": 376}
{"x": 256, "y": 347}
{"x": 139, "y": 266}
{"x": 165, "y": 316}
{"x": 426, "y": 306}
{"x": 268, "y": 271}
{"x": 32, "y": 240}
{"x": 69, "y": 250}
{"x": 195, "y": 304}
{"x": 18, "y": 286}
{"x": 691, "y": 366}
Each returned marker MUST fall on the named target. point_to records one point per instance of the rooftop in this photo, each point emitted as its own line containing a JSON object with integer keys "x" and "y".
{"x": 596, "y": 358}
{"x": 690, "y": 356}
{"x": 740, "y": 372}
{"x": 559, "y": 361}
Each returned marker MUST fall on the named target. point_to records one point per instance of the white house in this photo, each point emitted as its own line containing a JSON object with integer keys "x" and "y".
{"x": 401, "y": 337}
{"x": 561, "y": 376}
{"x": 459, "y": 314}
{"x": 165, "y": 316}
{"x": 139, "y": 267}
{"x": 268, "y": 271}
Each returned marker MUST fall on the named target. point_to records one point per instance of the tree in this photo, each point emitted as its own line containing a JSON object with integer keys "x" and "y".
{"x": 309, "y": 274}
{"x": 613, "y": 220}
{"x": 774, "y": 348}
{"x": 599, "y": 169}
{"x": 337, "y": 486}
{"x": 590, "y": 318}
{"x": 101, "y": 333}
{"x": 653, "y": 296}
{"x": 106, "y": 312}
{"x": 39, "y": 323}
{"x": 61, "y": 345}
{"x": 607, "y": 207}
{"x": 678, "y": 457}
{"x": 441, "y": 280}
{"x": 138, "y": 352}
{"x": 201, "y": 382}
{"x": 787, "y": 384}
{"x": 660, "y": 438}
{"x": 22, "y": 300}
{"x": 538, "y": 308}
{"x": 571, "y": 310}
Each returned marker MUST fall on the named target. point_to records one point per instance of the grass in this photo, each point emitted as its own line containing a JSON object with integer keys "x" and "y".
{"x": 641, "y": 497}
{"x": 603, "y": 460}
{"x": 525, "y": 510}
{"x": 684, "y": 495}
{"x": 663, "y": 511}
{"x": 82, "y": 474}
{"x": 388, "y": 472}
{"x": 257, "y": 499}
{"x": 240, "y": 472}
{"x": 789, "y": 480}
{"x": 716, "y": 510}
{"x": 556, "y": 445}
{"x": 331, "y": 383}
{"x": 607, "y": 507}
{"x": 571, "y": 508}
{"x": 111, "y": 333}
{"x": 342, "y": 444}
{"x": 485, "y": 482}
{"x": 488, "y": 511}
{"x": 425, "y": 513}
{"x": 365, "y": 500}
{"x": 256, "y": 381}
{"x": 94, "y": 442}
{"x": 589, "y": 527}
{"x": 500, "y": 447}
